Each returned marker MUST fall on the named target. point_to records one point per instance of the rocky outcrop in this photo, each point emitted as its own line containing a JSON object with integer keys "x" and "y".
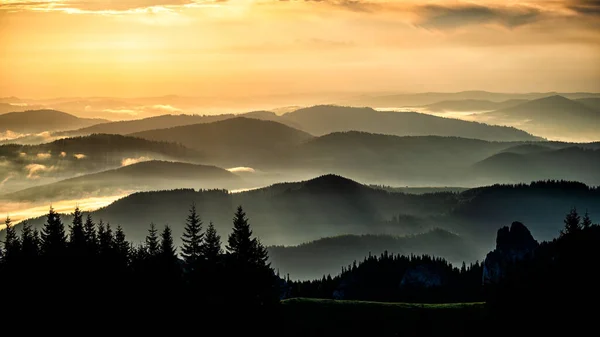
{"x": 512, "y": 244}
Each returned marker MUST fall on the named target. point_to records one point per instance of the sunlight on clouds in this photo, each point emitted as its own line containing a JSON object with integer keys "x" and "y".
{"x": 79, "y": 155}
{"x": 63, "y": 154}
{"x": 131, "y": 161}
{"x": 241, "y": 169}
{"x": 44, "y": 156}
{"x": 33, "y": 170}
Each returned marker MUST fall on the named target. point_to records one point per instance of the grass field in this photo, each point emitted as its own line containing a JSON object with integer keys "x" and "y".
{"x": 317, "y": 317}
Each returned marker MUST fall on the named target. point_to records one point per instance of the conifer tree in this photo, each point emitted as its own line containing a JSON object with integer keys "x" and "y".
{"x": 241, "y": 245}
{"x": 168, "y": 252}
{"x": 89, "y": 231}
{"x": 122, "y": 248}
{"x": 151, "y": 245}
{"x": 54, "y": 240}
{"x": 211, "y": 248}
{"x": 572, "y": 222}
{"x": 105, "y": 240}
{"x": 192, "y": 240}
{"x": 77, "y": 240}
{"x": 586, "y": 222}
{"x": 30, "y": 241}
{"x": 12, "y": 244}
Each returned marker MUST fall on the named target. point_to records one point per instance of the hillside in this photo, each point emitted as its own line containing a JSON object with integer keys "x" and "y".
{"x": 143, "y": 176}
{"x": 232, "y": 142}
{"x": 324, "y": 119}
{"x": 27, "y": 165}
{"x": 592, "y": 102}
{"x": 554, "y": 117}
{"x": 36, "y": 121}
{"x": 573, "y": 163}
{"x": 472, "y": 105}
{"x": 314, "y": 259}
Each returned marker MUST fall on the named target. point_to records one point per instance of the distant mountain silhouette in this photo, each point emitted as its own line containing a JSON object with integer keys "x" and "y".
{"x": 36, "y": 121}
{"x": 573, "y": 163}
{"x": 323, "y": 119}
{"x": 143, "y": 176}
{"x": 65, "y": 158}
{"x": 592, "y": 102}
{"x": 554, "y": 116}
{"x": 236, "y": 141}
{"x": 472, "y": 105}
{"x": 314, "y": 259}
{"x": 420, "y": 99}
{"x": 529, "y": 148}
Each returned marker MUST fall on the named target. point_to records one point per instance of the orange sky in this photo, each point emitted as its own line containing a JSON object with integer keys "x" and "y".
{"x": 251, "y": 47}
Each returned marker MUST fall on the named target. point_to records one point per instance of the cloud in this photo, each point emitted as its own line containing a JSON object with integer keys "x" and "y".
{"x": 91, "y": 5}
{"x": 586, "y": 7}
{"x": 241, "y": 169}
{"x": 22, "y": 154}
{"x": 131, "y": 161}
{"x": 8, "y": 135}
{"x": 63, "y": 154}
{"x": 33, "y": 170}
{"x": 79, "y": 155}
{"x": 450, "y": 17}
{"x": 5, "y": 180}
{"x": 44, "y": 156}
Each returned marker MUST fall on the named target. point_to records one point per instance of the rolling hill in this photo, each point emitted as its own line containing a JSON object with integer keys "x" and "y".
{"x": 592, "y": 102}
{"x": 314, "y": 259}
{"x": 472, "y": 105}
{"x": 37, "y": 121}
{"x": 142, "y": 176}
{"x": 232, "y": 142}
{"x": 324, "y": 119}
{"x": 553, "y": 117}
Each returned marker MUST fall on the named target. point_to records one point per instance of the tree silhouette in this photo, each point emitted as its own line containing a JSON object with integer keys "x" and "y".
{"x": 151, "y": 245}
{"x": 30, "y": 241}
{"x": 122, "y": 248}
{"x": 54, "y": 240}
{"x": 105, "y": 241}
{"x": 77, "y": 239}
{"x": 12, "y": 244}
{"x": 241, "y": 245}
{"x": 192, "y": 241}
{"x": 168, "y": 252}
{"x": 211, "y": 248}
{"x": 586, "y": 222}
{"x": 572, "y": 222}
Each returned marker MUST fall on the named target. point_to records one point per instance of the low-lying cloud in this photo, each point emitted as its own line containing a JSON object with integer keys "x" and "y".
{"x": 131, "y": 161}
{"x": 79, "y": 156}
{"x": 44, "y": 156}
{"x": 33, "y": 170}
{"x": 241, "y": 169}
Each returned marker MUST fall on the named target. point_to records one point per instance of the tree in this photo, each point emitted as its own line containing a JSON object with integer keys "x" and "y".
{"x": 77, "y": 239}
{"x": 105, "y": 240}
{"x": 122, "y": 248}
{"x": 89, "y": 231}
{"x": 168, "y": 252}
{"x": 30, "y": 242}
{"x": 572, "y": 222}
{"x": 241, "y": 245}
{"x": 192, "y": 240}
{"x": 211, "y": 248}
{"x": 152, "y": 246}
{"x": 586, "y": 222}
{"x": 12, "y": 244}
{"x": 54, "y": 240}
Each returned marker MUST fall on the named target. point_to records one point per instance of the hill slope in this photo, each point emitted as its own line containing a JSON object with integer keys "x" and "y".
{"x": 236, "y": 141}
{"x": 320, "y": 120}
{"x": 143, "y": 176}
{"x": 36, "y": 121}
{"x": 472, "y": 105}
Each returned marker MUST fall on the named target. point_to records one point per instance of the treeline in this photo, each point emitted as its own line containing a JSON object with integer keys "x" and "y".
{"x": 91, "y": 264}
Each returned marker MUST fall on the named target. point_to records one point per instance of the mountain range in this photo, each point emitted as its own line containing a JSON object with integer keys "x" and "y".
{"x": 36, "y": 121}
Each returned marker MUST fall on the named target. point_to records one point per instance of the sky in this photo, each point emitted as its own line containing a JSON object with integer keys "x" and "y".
{"x": 227, "y": 48}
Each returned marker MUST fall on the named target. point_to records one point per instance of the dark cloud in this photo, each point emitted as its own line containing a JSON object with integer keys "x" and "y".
{"x": 448, "y": 17}
{"x": 586, "y": 7}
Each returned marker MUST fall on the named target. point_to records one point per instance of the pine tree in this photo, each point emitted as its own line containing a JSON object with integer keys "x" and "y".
{"x": 192, "y": 240}
{"x": 586, "y": 222}
{"x": 77, "y": 239}
{"x": 211, "y": 248}
{"x": 572, "y": 222}
{"x": 12, "y": 244}
{"x": 241, "y": 246}
{"x": 168, "y": 252}
{"x": 30, "y": 241}
{"x": 54, "y": 240}
{"x": 122, "y": 248}
{"x": 152, "y": 246}
{"x": 89, "y": 231}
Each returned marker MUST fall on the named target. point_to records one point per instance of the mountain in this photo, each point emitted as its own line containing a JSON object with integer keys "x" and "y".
{"x": 233, "y": 142}
{"x": 325, "y": 256}
{"x": 552, "y": 117}
{"x": 142, "y": 176}
{"x": 27, "y": 165}
{"x": 472, "y": 105}
{"x": 331, "y": 205}
{"x": 592, "y": 102}
{"x": 36, "y": 121}
{"x": 572, "y": 163}
{"x": 420, "y": 99}
{"x": 151, "y": 123}
{"x": 323, "y": 119}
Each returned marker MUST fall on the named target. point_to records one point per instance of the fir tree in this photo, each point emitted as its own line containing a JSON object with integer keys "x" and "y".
{"x": 105, "y": 240}
{"x": 54, "y": 240}
{"x": 586, "y": 222}
{"x": 572, "y": 222}
{"x": 211, "y": 248}
{"x": 241, "y": 245}
{"x": 192, "y": 240}
{"x": 168, "y": 252}
{"x": 12, "y": 244}
{"x": 30, "y": 241}
{"x": 89, "y": 231}
{"x": 122, "y": 248}
{"x": 77, "y": 239}
{"x": 152, "y": 246}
